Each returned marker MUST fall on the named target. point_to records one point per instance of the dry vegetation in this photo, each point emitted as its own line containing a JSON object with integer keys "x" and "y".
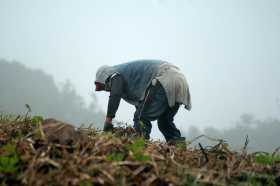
{"x": 30, "y": 155}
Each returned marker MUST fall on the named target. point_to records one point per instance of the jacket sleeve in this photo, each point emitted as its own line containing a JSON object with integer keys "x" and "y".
{"x": 115, "y": 95}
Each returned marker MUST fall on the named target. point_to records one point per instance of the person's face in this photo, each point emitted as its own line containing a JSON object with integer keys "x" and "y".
{"x": 99, "y": 86}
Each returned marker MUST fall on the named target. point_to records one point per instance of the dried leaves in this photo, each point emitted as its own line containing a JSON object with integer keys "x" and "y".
{"x": 63, "y": 155}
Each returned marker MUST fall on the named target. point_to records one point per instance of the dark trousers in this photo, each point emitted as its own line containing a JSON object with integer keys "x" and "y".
{"x": 156, "y": 108}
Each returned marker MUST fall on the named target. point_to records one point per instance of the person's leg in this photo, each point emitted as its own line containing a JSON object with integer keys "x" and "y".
{"x": 154, "y": 106}
{"x": 167, "y": 127}
{"x": 136, "y": 120}
{"x": 142, "y": 125}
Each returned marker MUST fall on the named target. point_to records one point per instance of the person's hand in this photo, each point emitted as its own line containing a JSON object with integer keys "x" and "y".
{"x": 108, "y": 126}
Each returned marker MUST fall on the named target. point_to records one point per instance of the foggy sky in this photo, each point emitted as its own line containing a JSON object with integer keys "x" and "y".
{"x": 229, "y": 50}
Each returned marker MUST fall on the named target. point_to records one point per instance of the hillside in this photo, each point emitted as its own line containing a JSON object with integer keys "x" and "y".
{"x": 21, "y": 84}
{"x": 33, "y": 153}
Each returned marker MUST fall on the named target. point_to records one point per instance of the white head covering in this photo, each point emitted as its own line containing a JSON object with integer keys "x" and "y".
{"x": 103, "y": 73}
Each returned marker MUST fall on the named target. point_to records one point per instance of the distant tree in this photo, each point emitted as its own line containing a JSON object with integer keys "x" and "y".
{"x": 263, "y": 135}
{"x": 20, "y": 85}
{"x": 247, "y": 118}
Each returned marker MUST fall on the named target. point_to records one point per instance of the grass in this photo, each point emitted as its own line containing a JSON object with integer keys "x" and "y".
{"x": 137, "y": 149}
{"x": 9, "y": 160}
{"x": 115, "y": 156}
{"x": 267, "y": 159}
{"x": 122, "y": 158}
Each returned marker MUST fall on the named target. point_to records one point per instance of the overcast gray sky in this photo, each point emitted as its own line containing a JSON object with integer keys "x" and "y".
{"x": 228, "y": 49}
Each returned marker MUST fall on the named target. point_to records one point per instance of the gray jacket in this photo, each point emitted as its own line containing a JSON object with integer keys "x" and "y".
{"x": 137, "y": 76}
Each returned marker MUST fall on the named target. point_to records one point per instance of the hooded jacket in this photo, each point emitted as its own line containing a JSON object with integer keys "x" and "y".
{"x": 137, "y": 76}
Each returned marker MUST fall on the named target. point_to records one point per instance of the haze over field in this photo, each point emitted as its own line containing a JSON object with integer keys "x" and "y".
{"x": 229, "y": 50}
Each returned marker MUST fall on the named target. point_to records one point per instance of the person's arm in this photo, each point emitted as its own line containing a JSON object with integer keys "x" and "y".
{"x": 115, "y": 97}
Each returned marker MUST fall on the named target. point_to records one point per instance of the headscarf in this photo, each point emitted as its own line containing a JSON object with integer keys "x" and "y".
{"x": 103, "y": 73}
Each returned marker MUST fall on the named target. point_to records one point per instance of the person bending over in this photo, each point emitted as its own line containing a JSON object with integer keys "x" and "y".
{"x": 156, "y": 88}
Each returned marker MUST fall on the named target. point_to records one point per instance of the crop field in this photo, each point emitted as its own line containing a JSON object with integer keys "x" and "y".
{"x": 34, "y": 151}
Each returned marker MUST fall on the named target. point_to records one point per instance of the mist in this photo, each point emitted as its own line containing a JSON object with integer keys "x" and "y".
{"x": 34, "y": 92}
{"x": 228, "y": 50}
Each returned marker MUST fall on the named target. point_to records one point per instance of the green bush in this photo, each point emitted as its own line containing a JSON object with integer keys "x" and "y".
{"x": 137, "y": 148}
{"x": 115, "y": 157}
{"x": 9, "y": 161}
{"x": 37, "y": 120}
{"x": 267, "y": 159}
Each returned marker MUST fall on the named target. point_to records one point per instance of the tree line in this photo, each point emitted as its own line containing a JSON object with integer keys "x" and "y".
{"x": 20, "y": 85}
{"x": 263, "y": 135}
